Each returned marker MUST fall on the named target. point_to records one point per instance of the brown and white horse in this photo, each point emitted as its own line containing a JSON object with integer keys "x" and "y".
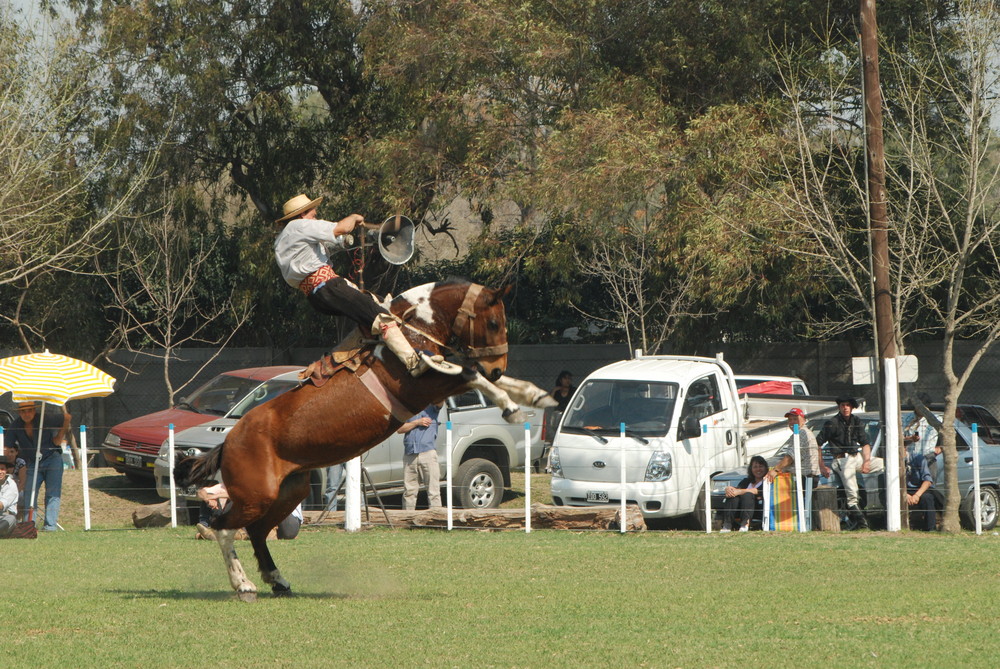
{"x": 266, "y": 458}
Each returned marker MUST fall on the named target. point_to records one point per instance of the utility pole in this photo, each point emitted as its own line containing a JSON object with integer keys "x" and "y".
{"x": 885, "y": 332}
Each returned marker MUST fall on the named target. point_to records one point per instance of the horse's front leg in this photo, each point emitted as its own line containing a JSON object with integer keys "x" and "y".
{"x": 510, "y": 411}
{"x": 526, "y": 392}
{"x": 244, "y": 587}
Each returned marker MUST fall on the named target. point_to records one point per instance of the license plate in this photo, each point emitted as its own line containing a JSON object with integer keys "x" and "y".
{"x": 597, "y": 496}
{"x": 133, "y": 460}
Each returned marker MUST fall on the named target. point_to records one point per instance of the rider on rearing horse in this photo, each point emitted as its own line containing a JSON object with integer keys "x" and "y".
{"x": 301, "y": 250}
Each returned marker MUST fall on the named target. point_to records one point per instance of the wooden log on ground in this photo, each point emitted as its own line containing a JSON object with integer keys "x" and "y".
{"x": 825, "y": 516}
{"x": 542, "y": 517}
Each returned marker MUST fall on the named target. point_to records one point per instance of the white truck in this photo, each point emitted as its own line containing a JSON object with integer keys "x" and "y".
{"x": 485, "y": 450}
{"x": 684, "y": 421}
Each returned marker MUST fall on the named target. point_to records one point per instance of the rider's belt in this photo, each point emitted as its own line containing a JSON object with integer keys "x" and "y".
{"x": 840, "y": 455}
{"x": 316, "y": 279}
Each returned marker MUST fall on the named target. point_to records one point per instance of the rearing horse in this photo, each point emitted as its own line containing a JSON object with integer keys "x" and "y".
{"x": 266, "y": 457}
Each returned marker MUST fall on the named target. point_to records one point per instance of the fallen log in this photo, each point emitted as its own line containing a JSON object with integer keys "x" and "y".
{"x": 542, "y": 517}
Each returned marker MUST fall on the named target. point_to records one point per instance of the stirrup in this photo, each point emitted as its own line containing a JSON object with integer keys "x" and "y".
{"x": 436, "y": 363}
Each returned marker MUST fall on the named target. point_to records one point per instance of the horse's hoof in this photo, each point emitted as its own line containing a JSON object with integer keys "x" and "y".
{"x": 514, "y": 416}
{"x": 281, "y": 591}
{"x": 247, "y": 596}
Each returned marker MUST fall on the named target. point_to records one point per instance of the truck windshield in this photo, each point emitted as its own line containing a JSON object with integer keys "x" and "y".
{"x": 600, "y": 406}
{"x": 264, "y": 392}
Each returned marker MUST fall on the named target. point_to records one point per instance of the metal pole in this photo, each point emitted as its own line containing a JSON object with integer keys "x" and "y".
{"x": 171, "y": 459}
{"x": 86, "y": 477}
{"x": 527, "y": 478}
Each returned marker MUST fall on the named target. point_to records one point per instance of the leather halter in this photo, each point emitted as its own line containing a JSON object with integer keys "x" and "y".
{"x": 465, "y": 319}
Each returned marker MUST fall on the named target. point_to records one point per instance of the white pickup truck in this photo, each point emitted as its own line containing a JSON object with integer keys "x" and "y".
{"x": 485, "y": 449}
{"x": 684, "y": 421}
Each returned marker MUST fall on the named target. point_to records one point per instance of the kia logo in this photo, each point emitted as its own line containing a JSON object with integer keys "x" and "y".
{"x": 600, "y": 464}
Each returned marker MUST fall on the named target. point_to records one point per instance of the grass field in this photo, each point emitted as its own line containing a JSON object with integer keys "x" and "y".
{"x": 410, "y": 598}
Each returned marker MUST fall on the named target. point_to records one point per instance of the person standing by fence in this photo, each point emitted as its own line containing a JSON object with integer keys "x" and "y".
{"x": 420, "y": 457}
{"x": 47, "y": 461}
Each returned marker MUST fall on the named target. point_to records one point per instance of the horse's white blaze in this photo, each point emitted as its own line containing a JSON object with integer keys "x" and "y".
{"x": 420, "y": 299}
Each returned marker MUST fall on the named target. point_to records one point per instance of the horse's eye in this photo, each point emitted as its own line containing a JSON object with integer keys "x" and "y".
{"x": 493, "y": 325}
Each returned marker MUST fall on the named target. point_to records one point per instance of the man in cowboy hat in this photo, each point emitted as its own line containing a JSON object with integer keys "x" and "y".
{"x": 8, "y": 498}
{"x": 302, "y": 252}
{"x": 851, "y": 451}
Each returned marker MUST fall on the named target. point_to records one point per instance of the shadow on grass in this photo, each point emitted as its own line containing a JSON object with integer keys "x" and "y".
{"x": 118, "y": 485}
{"x": 222, "y": 595}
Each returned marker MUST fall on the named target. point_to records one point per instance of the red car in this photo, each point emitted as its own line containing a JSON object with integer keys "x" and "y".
{"x": 131, "y": 447}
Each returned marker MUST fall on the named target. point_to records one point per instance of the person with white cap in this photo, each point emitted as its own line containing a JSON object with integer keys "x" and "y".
{"x": 302, "y": 251}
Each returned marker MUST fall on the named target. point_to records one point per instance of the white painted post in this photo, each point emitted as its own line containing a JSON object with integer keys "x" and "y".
{"x": 170, "y": 466}
{"x": 708, "y": 492}
{"x": 890, "y": 447}
{"x": 447, "y": 476}
{"x": 527, "y": 478}
{"x": 352, "y": 496}
{"x": 766, "y": 520}
{"x": 978, "y": 499}
{"x": 798, "y": 478}
{"x": 85, "y": 476}
{"x": 623, "y": 479}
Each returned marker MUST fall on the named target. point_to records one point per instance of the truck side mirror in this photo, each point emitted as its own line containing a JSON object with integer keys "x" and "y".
{"x": 690, "y": 428}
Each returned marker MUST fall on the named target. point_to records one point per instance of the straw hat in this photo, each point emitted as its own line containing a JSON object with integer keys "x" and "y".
{"x": 298, "y": 205}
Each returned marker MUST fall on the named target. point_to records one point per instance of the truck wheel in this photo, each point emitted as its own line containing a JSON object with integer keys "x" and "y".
{"x": 698, "y": 515}
{"x": 480, "y": 484}
{"x": 989, "y": 508}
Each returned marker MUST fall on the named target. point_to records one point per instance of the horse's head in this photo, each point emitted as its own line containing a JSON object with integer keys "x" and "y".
{"x": 462, "y": 318}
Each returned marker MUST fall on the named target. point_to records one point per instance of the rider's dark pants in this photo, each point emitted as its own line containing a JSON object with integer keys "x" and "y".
{"x": 339, "y": 298}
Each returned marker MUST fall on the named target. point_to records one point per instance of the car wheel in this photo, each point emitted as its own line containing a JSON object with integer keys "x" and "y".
{"x": 989, "y": 509}
{"x": 480, "y": 484}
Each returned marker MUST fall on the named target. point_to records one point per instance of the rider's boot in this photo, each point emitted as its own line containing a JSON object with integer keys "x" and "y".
{"x": 416, "y": 362}
{"x": 861, "y": 522}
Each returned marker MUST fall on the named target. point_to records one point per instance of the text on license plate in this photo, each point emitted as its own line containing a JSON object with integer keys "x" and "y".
{"x": 597, "y": 496}
{"x": 133, "y": 461}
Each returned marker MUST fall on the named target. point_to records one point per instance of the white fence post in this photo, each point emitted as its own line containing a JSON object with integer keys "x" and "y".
{"x": 527, "y": 478}
{"x": 85, "y": 476}
{"x": 622, "y": 479}
{"x": 352, "y": 496}
{"x": 978, "y": 499}
{"x": 170, "y": 465}
{"x": 447, "y": 477}
{"x": 798, "y": 478}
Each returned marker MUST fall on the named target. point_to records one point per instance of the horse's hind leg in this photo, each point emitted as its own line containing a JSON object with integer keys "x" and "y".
{"x": 293, "y": 490}
{"x": 244, "y": 587}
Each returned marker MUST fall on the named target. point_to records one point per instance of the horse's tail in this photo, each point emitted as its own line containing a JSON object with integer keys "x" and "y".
{"x": 198, "y": 469}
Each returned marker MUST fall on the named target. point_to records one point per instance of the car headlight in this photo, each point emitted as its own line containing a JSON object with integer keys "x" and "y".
{"x": 719, "y": 486}
{"x": 112, "y": 440}
{"x": 164, "y": 448}
{"x": 660, "y": 467}
{"x": 554, "y": 465}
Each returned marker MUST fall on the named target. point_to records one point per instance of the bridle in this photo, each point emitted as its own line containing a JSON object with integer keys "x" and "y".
{"x": 464, "y": 320}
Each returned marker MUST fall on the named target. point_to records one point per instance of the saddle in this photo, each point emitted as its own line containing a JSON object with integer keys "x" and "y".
{"x": 347, "y": 354}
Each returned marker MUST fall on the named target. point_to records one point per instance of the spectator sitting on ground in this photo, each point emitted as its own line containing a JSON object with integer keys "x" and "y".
{"x": 8, "y": 499}
{"x": 923, "y": 514}
{"x": 745, "y": 497}
{"x": 19, "y": 473}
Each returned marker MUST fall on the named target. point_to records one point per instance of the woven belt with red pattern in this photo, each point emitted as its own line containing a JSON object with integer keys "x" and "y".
{"x": 323, "y": 274}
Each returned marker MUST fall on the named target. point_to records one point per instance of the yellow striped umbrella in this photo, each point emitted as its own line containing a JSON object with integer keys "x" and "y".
{"x": 53, "y": 378}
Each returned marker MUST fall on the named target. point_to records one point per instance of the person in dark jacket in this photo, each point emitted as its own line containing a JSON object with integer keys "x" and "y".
{"x": 851, "y": 453}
